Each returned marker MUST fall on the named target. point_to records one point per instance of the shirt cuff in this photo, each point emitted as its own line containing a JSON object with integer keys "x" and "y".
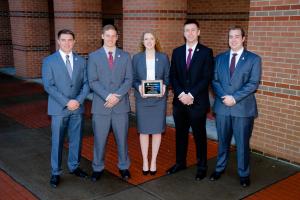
{"x": 108, "y": 97}
{"x": 181, "y": 94}
{"x": 190, "y": 95}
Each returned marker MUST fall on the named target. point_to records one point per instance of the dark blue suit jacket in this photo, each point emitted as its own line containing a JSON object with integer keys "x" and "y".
{"x": 242, "y": 85}
{"x": 60, "y": 87}
{"x": 195, "y": 80}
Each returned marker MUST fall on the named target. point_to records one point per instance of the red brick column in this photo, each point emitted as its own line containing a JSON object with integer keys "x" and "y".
{"x": 6, "y": 53}
{"x": 84, "y": 17}
{"x": 274, "y": 33}
{"x": 30, "y": 35}
{"x": 215, "y": 17}
{"x": 165, "y": 17}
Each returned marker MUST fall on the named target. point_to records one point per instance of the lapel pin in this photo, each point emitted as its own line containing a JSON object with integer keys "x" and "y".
{"x": 156, "y": 59}
{"x": 243, "y": 58}
{"x": 119, "y": 56}
{"x": 197, "y": 50}
{"x": 75, "y": 58}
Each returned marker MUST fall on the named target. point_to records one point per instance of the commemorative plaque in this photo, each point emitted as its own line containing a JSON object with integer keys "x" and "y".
{"x": 152, "y": 88}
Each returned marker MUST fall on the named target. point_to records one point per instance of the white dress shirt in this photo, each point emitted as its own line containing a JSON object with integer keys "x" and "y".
{"x": 237, "y": 57}
{"x": 150, "y": 64}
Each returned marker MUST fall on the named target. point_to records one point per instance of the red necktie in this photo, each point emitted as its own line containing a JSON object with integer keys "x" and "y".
{"x": 110, "y": 60}
{"x": 189, "y": 58}
{"x": 232, "y": 64}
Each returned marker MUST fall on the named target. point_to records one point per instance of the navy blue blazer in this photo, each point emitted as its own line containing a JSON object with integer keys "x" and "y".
{"x": 162, "y": 67}
{"x": 60, "y": 87}
{"x": 242, "y": 85}
{"x": 196, "y": 79}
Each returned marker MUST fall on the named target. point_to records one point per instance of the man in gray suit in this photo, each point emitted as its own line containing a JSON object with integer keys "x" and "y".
{"x": 110, "y": 78}
{"x": 65, "y": 80}
{"x": 236, "y": 78}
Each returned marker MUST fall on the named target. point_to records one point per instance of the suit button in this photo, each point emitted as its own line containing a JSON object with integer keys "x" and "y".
{"x": 71, "y": 85}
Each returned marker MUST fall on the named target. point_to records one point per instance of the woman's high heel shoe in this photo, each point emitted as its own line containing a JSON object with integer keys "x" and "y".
{"x": 146, "y": 172}
{"x": 152, "y": 173}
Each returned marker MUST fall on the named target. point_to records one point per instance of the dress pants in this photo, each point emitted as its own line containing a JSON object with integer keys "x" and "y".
{"x": 73, "y": 123}
{"x": 101, "y": 126}
{"x": 241, "y": 129}
{"x": 184, "y": 118}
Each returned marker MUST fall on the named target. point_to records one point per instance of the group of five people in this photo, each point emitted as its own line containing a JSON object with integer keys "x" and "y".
{"x": 110, "y": 73}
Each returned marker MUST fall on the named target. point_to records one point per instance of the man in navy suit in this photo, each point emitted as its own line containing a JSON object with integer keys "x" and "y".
{"x": 190, "y": 75}
{"x": 110, "y": 78}
{"x": 236, "y": 77}
{"x": 65, "y": 80}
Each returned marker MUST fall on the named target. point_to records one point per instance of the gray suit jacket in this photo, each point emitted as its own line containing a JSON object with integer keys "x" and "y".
{"x": 60, "y": 87}
{"x": 242, "y": 85}
{"x": 162, "y": 67}
{"x": 103, "y": 80}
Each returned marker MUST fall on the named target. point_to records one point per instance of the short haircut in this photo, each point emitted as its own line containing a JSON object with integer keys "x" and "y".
{"x": 192, "y": 21}
{"x": 109, "y": 27}
{"x": 65, "y": 31}
{"x": 157, "y": 43}
{"x": 237, "y": 27}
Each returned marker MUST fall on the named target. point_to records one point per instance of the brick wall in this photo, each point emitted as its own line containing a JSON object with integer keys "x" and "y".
{"x": 274, "y": 33}
{"x": 6, "y": 54}
{"x": 30, "y": 35}
{"x": 215, "y": 17}
{"x": 113, "y": 10}
{"x": 84, "y": 17}
{"x": 166, "y": 18}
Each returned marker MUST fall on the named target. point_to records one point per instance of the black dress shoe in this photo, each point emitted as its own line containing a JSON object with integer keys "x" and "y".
{"x": 175, "y": 168}
{"x": 125, "y": 174}
{"x": 96, "y": 175}
{"x": 145, "y": 173}
{"x": 54, "y": 180}
{"x": 152, "y": 173}
{"x": 215, "y": 175}
{"x": 200, "y": 175}
{"x": 78, "y": 172}
{"x": 245, "y": 181}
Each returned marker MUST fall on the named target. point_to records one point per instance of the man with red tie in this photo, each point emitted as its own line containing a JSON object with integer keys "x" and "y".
{"x": 190, "y": 75}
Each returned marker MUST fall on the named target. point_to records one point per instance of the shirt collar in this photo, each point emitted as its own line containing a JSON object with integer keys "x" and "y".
{"x": 193, "y": 47}
{"x": 63, "y": 55}
{"x": 113, "y": 51}
{"x": 239, "y": 52}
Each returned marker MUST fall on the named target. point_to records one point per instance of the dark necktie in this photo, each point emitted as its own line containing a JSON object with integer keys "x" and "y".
{"x": 110, "y": 60}
{"x": 189, "y": 58}
{"x": 68, "y": 65}
{"x": 232, "y": 64}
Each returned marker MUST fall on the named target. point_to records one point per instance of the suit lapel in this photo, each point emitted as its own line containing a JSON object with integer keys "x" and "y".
{"x": 75, "y": 66}
{"x": 225, "y": 69}
{"x": 195, "y": 54}
{"x": 157, "y": 60}
{"x": 117, "y": 59}
{"x": 62, "y": 65}
{"x": 143, "y": 66}
{"x": 103, "y": 60}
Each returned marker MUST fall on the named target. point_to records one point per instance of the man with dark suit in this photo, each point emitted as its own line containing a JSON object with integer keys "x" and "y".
{"x": 190, "y": 75}
{"x": 110, "y": 78}
{"x": 65, "y": 80}
{"x": 236, "y": 77}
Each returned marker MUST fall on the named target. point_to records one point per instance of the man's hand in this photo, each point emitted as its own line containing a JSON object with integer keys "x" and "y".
{"x": 228, "y": 100}
{"x": 73, "y": 105}
{"x": 186, "y": 99}
{"x": 112, "y": 101}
